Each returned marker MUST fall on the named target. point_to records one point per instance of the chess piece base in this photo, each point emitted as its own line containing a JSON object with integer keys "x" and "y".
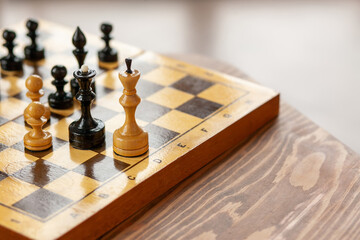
{"x": 108, "y": 55}
{"x": 38, "y": 144}
{"x": 37, "y": 63}
{"x": 11, "y": 73}
{"x": 11, "y": 68}
{"x": 11, "y": 64}
{"x": 63, "y": 102}
{"x": 32, "y": 54}
{"x": 108, "y": 65}
{"x": 89, "y": 138}
{"x": 130, "y": 146}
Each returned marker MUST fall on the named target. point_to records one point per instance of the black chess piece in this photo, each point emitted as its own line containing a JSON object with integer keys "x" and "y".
{"x": 33, "y": 52}
{"x": 87, "y": 132}
{"x": 79, "y": 41}
{"x": 60, "y": 99}
{"x": 108, "y": 56}
{"x": 10, "y": 64}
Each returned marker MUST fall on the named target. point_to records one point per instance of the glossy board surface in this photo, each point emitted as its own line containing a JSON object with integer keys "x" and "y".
{"x": 46, "y": 195}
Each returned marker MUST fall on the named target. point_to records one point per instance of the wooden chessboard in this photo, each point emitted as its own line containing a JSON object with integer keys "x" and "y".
{"x": 192, "y": 115}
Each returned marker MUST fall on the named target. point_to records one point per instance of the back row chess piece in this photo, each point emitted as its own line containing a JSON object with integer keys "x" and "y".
{"x": 34, "y": 53}
{"x": 11, "y": 65}
{"x": 108, "y": 56}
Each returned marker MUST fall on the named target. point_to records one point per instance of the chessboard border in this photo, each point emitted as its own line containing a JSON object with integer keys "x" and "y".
{"x": 231, "y": 136}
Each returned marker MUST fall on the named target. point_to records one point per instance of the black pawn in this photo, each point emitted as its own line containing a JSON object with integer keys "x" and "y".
{"x": 107, "y": 54}
{"x": 10, "y": 63}
{"x": 87, "y": 132}
{"x": 60, "y": 99}
{"x": 33, "y": 52}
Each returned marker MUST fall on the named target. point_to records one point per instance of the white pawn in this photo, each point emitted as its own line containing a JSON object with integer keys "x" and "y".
{"x": 34, "y": 84}
{"x": 37, "y": 139}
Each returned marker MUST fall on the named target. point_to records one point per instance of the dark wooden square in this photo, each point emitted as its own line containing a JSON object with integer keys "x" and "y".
{"x": 199, "y": 107}
{"x": 148, "y": 111}
{"x": 3, "y": 120}
{"x": 192, "y": 85}
{"x": 146, "y": 88}
{"x": 40, "y": 173}
{"x": 57, "y": 143}
{"x": 158, "y": 136}
{"x": 108, "y": 142}
{"x": 101, "y": 167}
{"x": 3, "y": 175}
{"x": 42, "y": 203}
{"x": 98, "y": 112}
{"x": 101, "y": 91}
{"x": 2, "y": 147}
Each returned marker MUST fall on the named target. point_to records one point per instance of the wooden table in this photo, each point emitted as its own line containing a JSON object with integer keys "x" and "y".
{"x": 291, "y": 180}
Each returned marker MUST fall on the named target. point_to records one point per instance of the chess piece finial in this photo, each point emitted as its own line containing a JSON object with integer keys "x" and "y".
{"x": 79, "y": 41}
{"x": 130, "y": 140}
{"x": 60, "y": 99}
{"x": 33, "y": 52}
{"x": 128, "y": 62}
{"x": 37, "y": 139}
{"x": 11, "y": 64}
{"x": 87, "y": 132}
{"x": 34, "y": 84}
{"x": 84, "y": 69}
{"x": 108, "y": 56}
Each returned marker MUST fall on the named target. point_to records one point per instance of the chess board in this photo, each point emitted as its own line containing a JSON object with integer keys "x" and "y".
{"x": 191, "y": 114}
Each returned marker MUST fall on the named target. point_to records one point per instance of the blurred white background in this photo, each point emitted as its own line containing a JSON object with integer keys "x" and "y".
{"x": 307, "y": 50}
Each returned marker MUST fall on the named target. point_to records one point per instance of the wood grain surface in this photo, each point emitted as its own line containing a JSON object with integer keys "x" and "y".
{"x": 291, "y": 180}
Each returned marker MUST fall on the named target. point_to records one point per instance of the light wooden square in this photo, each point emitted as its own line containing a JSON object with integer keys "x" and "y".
{"x": 164, "y": 76}
{"x": 11, "y": 108}
{"x": 11, "y": 86}
{"x": 222, "y": 94}
{"x": 116, "y": 122}
{"x": 12, "y": 160}
{"x": 68, "y": 60}
{"x": 11, "y": 133}
{"x": 69, "y": 157}
{"x": 13, "y": 190}
{"x": 73, "y": 185}
{"x": 109, "y": 79}
{"x": 170, "y": 97}
{"x": 60, "y": 129}
{"x": 177, "y": 121}
{"x": 111, "y": 101}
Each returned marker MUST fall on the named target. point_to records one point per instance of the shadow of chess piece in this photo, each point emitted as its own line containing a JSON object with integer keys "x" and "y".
{"x": 60, "y": 99}
{"x": 10, "y": 64}
{"x": 130, "y": 140}
{"x": 34, "y": 54}
{"x": 34, "y": 84}
{"x": 108, "y": 56}
{"x": 37, "y": 139}
{"x": 87, "y": 132}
